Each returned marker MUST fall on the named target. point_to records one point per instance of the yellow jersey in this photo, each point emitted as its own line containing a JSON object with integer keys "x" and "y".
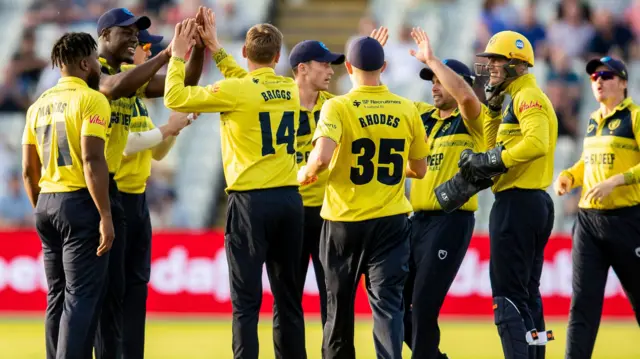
{"x": 55, "y": 124}
{"x": 377, "y": 132}
{"x": 121, "y": 113}
{"x": 610, "y": 148}
{"x": 529, "y": 132}
{"x": 313, "y": 194}
{"x": 260, "y": 115}
{"x": 135, "y": 169}
{"x": 447, "y": 138}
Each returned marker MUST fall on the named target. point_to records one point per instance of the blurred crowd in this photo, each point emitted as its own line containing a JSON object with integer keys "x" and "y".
{"x": 576, "y": 30}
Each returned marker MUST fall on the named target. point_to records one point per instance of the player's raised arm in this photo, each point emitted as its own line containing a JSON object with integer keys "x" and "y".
{"x": 193, "y": 66}
{"x": 208, "y": 32}
{"x": 181, "y": 98}
{"x": 468, "y": 103}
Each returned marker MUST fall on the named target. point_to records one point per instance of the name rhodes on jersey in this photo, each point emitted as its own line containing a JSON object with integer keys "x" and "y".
{"x": 379, "y": 119}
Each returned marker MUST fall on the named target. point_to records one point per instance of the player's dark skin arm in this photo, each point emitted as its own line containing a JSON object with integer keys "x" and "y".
{"x": 31, "y": 172}
{"x": 96, "y": 173}
{"x": 193, "y": 71}
{"x": 127, "y": 83}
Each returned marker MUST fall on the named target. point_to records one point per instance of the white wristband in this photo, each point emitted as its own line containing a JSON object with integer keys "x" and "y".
{"x": 140, "y": 141}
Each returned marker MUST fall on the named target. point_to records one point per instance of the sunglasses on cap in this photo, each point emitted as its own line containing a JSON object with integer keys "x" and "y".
{"x": 605, "y": 75}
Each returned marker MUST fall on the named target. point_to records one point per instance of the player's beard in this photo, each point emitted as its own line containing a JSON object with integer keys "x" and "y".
{"x": 93, "y": 80}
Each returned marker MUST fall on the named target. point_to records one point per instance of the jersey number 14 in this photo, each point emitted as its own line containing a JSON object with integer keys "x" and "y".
{"x": 285, "y": 135}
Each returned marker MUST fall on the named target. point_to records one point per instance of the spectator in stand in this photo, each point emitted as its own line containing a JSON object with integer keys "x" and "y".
{"x": 22, "y": 75}
{"x": 632, "y": 17}
{"x": 497, "y": 15}
{"x": 13, "y": 96}
{"x": 532, "y": 29}
{"x": 155, "y": 7}
{"x": 168, "y": 213}
{"x": 563, "y": 89}
{"x": 15, "y": 208}
{"x": 611, "y": 37}
{"x": 572, "y": 29}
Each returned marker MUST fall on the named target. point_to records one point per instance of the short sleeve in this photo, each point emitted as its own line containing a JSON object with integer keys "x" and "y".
{"x": 330, "y": 123}
{"x": 28, "y": 135}
{"x": 423, "y": 107}
{"x": 419, "y": 148}
{"x": 96, "y": 116}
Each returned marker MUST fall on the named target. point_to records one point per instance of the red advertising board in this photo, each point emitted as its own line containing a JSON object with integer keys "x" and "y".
{"x": 190, "y": 276}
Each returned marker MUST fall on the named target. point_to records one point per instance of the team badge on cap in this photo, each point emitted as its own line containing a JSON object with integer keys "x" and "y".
{"x": 520, "y": 44}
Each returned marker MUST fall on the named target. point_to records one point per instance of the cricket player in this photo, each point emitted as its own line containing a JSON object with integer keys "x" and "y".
{"x": 607, "y": 226}
{"x": 265, "y": 212}
{"x": 131, "y": 179}
{"x": 369, "y": 140}
{"x": 118, "y": 38}
{"x": 66, "y": 178}
{"x": 440, "y": 240}
{"x": 311, "y": 63}
{"x": 520, "y": 162}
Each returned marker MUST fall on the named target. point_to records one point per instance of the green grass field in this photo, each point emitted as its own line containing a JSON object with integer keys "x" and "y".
{"x": 23, "y": 339}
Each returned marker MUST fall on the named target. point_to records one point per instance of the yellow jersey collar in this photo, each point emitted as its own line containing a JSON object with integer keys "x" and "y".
{"x": 436, "y": 114}
{"x": 371, "y": 89}
{"x": 597, "y": 115}
{"x": 319, "y": 102}
{"x": 103, "y": 63}
{"x": 72, "y": 79}
{"x": 262, "y": 71}
{"x": 527, "y": 80}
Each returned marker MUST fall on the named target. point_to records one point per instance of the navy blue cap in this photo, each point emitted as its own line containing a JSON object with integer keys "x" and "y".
{"x": 144, "y": 37}
{"x": 310, "y": 50}
{"x": 455, "y": 65}
{"x": 614, "y": 65}
{"x": 366, "y": 54}
{"x": 122, "y": 17}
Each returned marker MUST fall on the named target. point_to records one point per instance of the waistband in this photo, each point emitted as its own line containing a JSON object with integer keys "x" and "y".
{"x": 622, "y": 211}
{"x": 261, "y": 190}
{"x": 442, "y": 213}
{"x": 513, "y": 191}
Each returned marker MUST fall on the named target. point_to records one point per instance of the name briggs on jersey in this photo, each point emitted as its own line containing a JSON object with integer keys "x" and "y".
{"x": 276, "y": 94}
